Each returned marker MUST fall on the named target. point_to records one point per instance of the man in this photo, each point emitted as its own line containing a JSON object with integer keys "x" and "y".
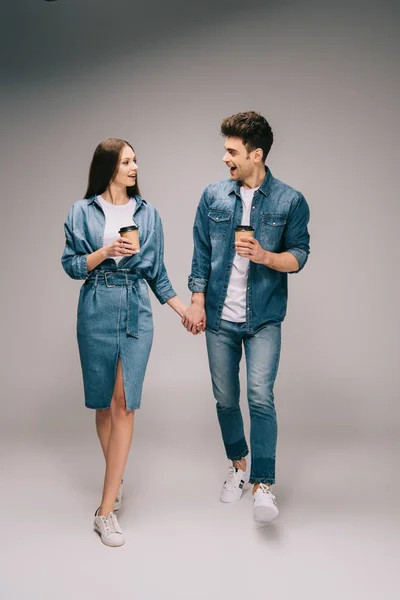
{"x": 239, "y": 295}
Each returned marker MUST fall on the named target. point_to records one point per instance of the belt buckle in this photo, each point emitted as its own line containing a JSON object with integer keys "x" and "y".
{"x": 109, "y": 285}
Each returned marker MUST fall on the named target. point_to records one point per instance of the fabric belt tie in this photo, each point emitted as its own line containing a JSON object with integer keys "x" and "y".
{"x": 119, "y": 279}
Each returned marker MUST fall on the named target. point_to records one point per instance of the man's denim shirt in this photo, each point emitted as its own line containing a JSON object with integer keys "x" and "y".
{"x": 279, "y": 215}
{"x": 84, "y": 232}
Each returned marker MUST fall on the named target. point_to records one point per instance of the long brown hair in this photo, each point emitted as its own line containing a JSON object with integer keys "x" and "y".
{"x": 104, "y": 167}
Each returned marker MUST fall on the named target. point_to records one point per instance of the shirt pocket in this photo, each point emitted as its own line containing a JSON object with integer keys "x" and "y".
{"x": 219, "y": 222}
{"x": 272, "y": 228}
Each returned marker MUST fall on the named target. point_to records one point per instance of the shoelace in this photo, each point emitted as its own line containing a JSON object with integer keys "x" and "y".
{"x": 110, "y": 523}
{"x": 266, "y": 490}
{"x": 232, "y": 479}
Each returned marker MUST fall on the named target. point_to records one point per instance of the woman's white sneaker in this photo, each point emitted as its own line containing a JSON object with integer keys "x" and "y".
{"x": 265, "y": 509}
{"x": 232, "y": 488}
{"x": 108, "y": 528}
{"x": 118, "y": 499}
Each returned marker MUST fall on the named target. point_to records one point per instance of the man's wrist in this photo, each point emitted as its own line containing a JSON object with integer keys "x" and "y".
{"x": 267, "y": 260}
{"x": 198, "y": 299}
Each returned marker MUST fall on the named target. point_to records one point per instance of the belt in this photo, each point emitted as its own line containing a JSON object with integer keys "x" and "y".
{"x": 113, "y": 279}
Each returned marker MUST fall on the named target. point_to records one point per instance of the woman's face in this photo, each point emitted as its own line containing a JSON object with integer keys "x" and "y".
{"x": 127, "y": 168}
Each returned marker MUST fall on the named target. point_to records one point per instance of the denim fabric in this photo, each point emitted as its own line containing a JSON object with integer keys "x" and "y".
{"x": 84, "y": 231}
{"x": 114, "y": 311}
{"x": 262, "y": 351}
{"x": 279, "y": 215}
{"x": 110, "y": 325}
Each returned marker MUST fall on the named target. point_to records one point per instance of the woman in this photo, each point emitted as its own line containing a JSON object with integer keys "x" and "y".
{"x": 115, "y": 326}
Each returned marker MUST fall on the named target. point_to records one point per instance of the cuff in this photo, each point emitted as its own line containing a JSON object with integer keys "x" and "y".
{"x": 164, "y": 295}
{"x": 300, "y": 255}
{"x": 196, "y": 284}
{"x": 82, "y": 266}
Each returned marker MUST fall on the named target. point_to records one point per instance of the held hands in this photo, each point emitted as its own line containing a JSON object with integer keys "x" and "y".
{"x": 121, "y": 247}
{"x": 250, "y": 248}
{"x": 194, "y": 319}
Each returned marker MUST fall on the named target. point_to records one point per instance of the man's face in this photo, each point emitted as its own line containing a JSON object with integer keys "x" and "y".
{"x": 240, "y": 162}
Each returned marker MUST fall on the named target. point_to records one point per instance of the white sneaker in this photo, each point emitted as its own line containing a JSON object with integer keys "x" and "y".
{"x": 232, "y": 488}
{"x": 265, "y": 509}
{"x": 108, "y": 528}
{"x": 118, "y": 499}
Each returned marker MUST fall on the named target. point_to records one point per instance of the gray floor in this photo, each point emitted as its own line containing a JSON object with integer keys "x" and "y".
{"x": 337, "y": 535}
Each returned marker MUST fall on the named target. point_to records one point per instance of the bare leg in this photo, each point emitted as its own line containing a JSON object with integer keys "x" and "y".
{"x": 103, "y": 427}
{"x": 257, "y": 485}
{"x": 119, "y": 444}
{"x": 240, "y": 464}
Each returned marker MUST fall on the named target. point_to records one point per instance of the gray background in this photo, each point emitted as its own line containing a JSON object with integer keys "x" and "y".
{"x": 163, "y": 76}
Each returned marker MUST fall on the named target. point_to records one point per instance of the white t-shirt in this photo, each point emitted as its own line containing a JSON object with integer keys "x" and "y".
{"x": 235, "y": 302}
{"x": 117, "y": 216}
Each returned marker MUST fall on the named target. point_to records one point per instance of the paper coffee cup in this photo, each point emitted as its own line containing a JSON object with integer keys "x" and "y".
{"x": 243, "y": 230}
{"x": 132, "y": 234}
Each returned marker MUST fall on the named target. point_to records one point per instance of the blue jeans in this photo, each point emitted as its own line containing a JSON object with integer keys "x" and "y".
{"x": 262, "y": 351}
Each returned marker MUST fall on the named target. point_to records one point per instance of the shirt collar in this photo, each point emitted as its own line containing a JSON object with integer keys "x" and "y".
{"x": 236, "y": 185}
{"x": 139, "y": 200}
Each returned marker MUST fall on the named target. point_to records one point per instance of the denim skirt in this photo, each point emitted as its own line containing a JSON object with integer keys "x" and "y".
{"x": 114, "y": 321}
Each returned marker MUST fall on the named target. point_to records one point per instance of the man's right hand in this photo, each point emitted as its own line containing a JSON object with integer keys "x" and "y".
{"x": 194, "y": 319}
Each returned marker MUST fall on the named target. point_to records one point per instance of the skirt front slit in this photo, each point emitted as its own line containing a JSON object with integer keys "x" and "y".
{"x": 114, "y": 321}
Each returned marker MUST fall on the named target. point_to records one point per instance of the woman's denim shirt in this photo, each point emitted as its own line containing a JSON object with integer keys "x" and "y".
{"x": 84, "y": 232}
{"x": 279, "y": 215}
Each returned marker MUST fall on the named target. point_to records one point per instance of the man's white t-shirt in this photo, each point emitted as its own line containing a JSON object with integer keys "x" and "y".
{"x": 117, "y": 216}
{"x": 235, "y": 302}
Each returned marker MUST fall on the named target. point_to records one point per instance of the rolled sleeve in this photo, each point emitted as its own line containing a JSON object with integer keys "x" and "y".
{"x": 162, "y": 288}
{"x": 74, "y": 264}
{"x": 201, "y": 262}
{"x": 159, "y": 281}
{"x": 81, "y": 266}
{"x": 296, "y": 237}
{"x": 301, "y": 257}
{"x": 196, "y": 284}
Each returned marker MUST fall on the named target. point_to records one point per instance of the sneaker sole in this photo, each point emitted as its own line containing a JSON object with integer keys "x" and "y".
{"x": 105, "y": 542}
{"x": 230, "y": 501}
{"x": 264, "y": 514}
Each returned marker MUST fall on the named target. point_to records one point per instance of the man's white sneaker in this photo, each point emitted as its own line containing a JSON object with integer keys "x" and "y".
{"x": 232, "y": 488}
{"x": 265, "y": 509}
{"x": 108, "y": 528}
{"x": 118, "y": 499}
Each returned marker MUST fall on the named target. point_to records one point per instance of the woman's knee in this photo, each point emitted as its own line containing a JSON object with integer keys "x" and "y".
{"x": 118, "y": 407}
{"x": 103, "y": 415}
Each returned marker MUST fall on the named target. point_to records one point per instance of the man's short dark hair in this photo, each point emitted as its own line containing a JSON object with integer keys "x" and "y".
{"x": 253, "y": 129}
